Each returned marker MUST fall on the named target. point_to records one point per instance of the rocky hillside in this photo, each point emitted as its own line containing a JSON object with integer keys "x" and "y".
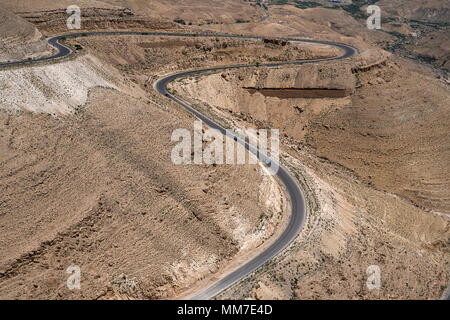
{"x": 19, "y": 39}
{"x": 376, "y": 161}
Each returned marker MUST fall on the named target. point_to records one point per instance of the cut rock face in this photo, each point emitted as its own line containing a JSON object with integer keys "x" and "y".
{"x": 308, "y": 81}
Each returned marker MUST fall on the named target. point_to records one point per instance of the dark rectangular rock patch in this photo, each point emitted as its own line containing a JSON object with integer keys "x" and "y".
{"x": 310, "y": 93}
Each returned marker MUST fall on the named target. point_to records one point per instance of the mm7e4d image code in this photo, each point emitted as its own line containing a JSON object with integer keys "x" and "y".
{"x": 230, "y": 309}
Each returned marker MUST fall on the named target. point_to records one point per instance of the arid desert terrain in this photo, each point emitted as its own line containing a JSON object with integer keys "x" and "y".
{"x": 86, "y": 170}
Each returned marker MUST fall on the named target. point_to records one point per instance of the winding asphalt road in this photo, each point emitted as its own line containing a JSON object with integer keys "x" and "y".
{"x": 297, "y": 200}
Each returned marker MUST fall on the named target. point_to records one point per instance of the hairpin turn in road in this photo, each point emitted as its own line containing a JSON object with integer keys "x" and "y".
{"x": 297, "y": 201}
